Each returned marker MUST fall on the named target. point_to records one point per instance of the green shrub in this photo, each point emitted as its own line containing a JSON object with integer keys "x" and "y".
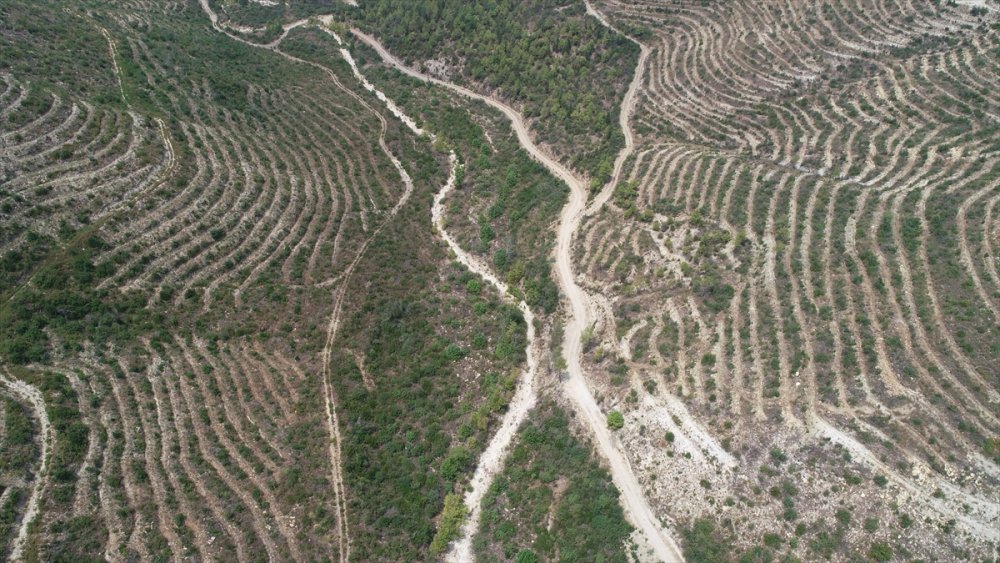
{"x": 454, "y": 353}
{"x": 616, "y": 421}
{"x": 459, "y": 458}
{"x": 844, "y": 517}
{"x": 704, "y": 544}
{"x": 452, "y": 517}
{"x": 880, "y": 551}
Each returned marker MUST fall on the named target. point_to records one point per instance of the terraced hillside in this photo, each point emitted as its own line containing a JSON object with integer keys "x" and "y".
{"x": 229, "y": 330}
{"x": 629, "y": 280}
{"x": 796, "y": 274}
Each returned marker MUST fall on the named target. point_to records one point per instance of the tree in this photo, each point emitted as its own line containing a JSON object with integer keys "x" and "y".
{"x": 616, "y": 421}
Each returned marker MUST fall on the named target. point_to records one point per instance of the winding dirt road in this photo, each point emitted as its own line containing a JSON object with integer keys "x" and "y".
{"x": 491, "y": 460}
{"x": 332, "y": 420}
{"x": 113, "y": 52}
{"x": 624, "y": 114}
{"x": 633, "y": 500}
{"x": 33, "y": 397}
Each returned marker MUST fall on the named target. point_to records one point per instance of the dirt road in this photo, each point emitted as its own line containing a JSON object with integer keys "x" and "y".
{"x": 636, "y": 507}
{"x": 624, "y": 115}
{"x": 33, "y": 398}
{"x": 634, "y": 502}
{"x": 491, "y": 460}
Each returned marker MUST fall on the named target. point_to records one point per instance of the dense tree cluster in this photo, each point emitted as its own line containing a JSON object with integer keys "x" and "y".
{"x": 560, "y": 65}
{"x": 551, "y": 479}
